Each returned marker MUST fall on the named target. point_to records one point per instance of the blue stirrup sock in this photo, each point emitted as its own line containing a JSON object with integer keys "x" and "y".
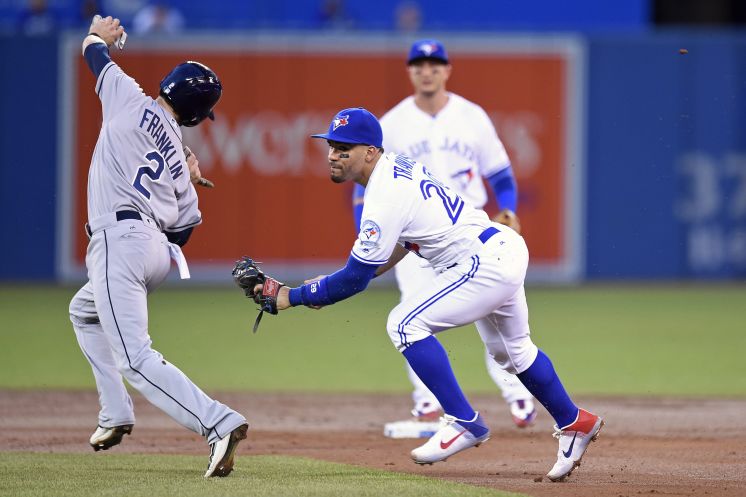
{"x": 542, "y": 381}
{"x": 430, "y": 361}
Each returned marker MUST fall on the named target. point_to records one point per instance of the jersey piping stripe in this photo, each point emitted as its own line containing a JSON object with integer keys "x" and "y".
{"x": 179, "y": 228}
{"x": 474, "y": 266}
{"x": 126, "y": 353}
{"x": 431, "y": 300}
{"x": 168, "y": 118}
{"x": 103, "y": 75}
{"x": 368, "y": 261}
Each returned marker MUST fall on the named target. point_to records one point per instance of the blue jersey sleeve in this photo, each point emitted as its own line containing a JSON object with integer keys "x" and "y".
{"x": 97, "y": 56}
{"x": 358, "y": 194}
{"x": 505, "y": 188}
{"x": 351, "y": 279}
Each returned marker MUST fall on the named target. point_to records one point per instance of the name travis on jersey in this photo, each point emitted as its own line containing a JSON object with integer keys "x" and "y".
{"x": 403, "y": 167}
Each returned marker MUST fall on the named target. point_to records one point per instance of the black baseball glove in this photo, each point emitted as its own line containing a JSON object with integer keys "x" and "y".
{"x": 247, "y": 275}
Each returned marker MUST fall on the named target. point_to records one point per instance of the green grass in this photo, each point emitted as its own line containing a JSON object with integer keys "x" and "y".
{"x": 94, "y": 475}
{"x": 649, "y": 340}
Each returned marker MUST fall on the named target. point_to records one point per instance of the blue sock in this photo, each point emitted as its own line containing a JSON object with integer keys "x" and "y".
{"x": 544, "y": 384}
{"x": 429, "y": 360}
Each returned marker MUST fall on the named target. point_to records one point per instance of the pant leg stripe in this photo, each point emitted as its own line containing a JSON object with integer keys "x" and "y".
{"x": 431, "y": 300}
{"x": 121, "y": 338}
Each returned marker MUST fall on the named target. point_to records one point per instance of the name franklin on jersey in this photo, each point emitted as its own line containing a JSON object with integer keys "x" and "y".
{"x": 152, "y": 125}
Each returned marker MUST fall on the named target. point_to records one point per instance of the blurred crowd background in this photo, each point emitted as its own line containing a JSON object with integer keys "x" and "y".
{"x": 35, "y": 17}
{"x": 650, "y": 96}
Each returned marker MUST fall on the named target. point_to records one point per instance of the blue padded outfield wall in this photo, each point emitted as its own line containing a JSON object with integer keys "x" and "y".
{"x": 28, "y": 157}
{"x": 665, "y": 157}
{"x": 666, "y": 161}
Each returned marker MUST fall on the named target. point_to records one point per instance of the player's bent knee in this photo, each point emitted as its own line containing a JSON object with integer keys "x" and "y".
{"x": 404, "y": 336}
{"x": 513, "y": 357}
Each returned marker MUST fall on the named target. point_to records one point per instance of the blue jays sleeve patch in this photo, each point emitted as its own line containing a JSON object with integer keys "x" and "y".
{"x": 370, "y": 233}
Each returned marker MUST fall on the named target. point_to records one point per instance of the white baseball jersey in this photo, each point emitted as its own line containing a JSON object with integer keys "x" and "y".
{"x": 138, "y": 163}
{"x": 405, "y": 204}
{"x": 459, "y": 145}
{"x": 483, "y": 282}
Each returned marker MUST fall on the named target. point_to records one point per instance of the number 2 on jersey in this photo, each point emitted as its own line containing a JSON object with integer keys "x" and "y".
{"x": 148, "y": 171}
{"x": 453, "y": 203}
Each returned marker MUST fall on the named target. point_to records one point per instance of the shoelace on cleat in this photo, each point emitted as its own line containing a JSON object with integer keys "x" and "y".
{"x": 557, "y": 432}
{"x": 447, "y": 420}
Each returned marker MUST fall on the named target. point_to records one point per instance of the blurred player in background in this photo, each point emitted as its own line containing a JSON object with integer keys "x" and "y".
{"x": 142, "y": 208}
{"x": 457, "y": 142}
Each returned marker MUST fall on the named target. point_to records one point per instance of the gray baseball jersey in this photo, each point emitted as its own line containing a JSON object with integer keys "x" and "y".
{"x": 138, "y": 186}
{"x": 139, "y": 162}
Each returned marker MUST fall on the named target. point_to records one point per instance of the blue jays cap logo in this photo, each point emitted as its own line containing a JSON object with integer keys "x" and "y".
{"x": 340, "y": 121}
{"x": 354, "y": 125}
{"x": 427, "y": 48}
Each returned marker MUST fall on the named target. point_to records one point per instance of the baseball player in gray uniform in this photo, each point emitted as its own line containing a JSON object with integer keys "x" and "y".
{"x": 457, "y": 141}
{"x": 142, "y": 207}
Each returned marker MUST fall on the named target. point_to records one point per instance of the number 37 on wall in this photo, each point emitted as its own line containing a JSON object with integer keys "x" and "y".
{"x": 711, "y": 204}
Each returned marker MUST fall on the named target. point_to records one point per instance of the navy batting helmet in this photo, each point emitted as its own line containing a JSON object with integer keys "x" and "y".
{"x": 192, "y": 89}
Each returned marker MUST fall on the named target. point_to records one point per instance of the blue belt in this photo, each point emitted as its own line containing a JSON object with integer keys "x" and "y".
{"x": 483, "y": 237}
{"x": 486, "y": 234}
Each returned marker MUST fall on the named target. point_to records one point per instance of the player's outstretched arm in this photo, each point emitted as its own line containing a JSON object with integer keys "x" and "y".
{"x": 342, "y": 284}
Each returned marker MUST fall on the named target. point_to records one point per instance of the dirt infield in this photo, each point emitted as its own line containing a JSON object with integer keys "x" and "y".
{"x": 648, "y": 447}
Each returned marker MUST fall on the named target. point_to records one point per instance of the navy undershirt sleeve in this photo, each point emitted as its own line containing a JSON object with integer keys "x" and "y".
{"x": 97, "y": 56}
{"x": 180, "y": 238}
{"x": 505, "y": 188}
{"x": 351, "y": 279}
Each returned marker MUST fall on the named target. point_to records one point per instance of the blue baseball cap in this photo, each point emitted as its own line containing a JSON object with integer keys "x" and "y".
{"x": 427, "y": 50}
{"x": 354, "y": 125}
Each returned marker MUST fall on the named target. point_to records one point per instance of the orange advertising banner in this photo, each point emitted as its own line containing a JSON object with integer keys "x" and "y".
{"x": 273, "y": 198}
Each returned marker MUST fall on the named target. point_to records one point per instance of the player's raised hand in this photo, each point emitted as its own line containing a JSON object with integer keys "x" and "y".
{"x": 108, "y": 29}
{"x": 194, "y": 173}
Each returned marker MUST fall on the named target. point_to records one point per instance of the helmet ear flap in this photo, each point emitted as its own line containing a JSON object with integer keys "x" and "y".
{"x": 192, "y": 90}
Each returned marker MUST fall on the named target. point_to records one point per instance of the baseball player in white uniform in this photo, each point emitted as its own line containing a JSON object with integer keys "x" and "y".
{"x": 480, "y": 267}
{"x": 142, "y": 207}
{"x": 457, "y": 141}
